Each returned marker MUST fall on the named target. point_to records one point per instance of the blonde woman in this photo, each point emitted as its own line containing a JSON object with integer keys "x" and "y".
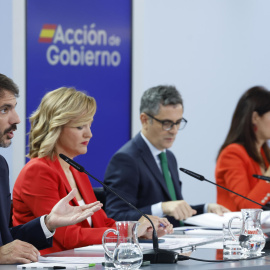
{"x": 62, "y": 124}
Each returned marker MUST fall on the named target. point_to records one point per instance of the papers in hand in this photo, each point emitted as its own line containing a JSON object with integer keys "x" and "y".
{"x": 215, "y": 221}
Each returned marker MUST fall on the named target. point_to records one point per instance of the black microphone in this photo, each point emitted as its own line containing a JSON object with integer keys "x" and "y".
{"x": 262, "y": 177}
{"x": 200, "y": 177}
{"x": 156, "y": 255}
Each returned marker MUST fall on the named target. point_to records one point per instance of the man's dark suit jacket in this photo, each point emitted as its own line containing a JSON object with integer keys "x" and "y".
{"x": 133, "y": 172}
{"x": 31, "y": 232}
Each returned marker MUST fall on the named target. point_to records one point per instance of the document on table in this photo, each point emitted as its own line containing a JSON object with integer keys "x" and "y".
{"x": 214, "y": 221}
{"x": 196, "y": 230}
{"x": 92, "y": 248}
{"x": 178, "y": 243}
{"x": 169, "y": 243}
{"x": 69, "y": 262}
{"x": 203, "y": 232}
{"x": 38, "y": 265}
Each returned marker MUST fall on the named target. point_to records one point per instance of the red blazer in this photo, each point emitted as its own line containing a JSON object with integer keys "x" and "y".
{"x": 39, "y": 186}
{"x": 234, "y": 170}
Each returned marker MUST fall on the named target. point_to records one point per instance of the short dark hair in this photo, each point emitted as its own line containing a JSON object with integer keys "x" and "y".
{"x": 255, "y": 99}
{"x": 7, "y": 84}
{"x": 162, "y": 94}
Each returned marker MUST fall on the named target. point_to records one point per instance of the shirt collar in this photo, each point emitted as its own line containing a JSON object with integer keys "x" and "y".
{"x": 155, "y": 152}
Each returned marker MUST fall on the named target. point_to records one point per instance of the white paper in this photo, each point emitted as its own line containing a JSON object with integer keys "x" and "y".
{"x": 70, "y": 263}
{"x": 92, "y": 247}
{"x": 170, "y": 243}
{"x": 215, "y": 221}
{"x": 38, "y": 265}
{"x": 67, "y": 260}
{"x": 203, "y": 232}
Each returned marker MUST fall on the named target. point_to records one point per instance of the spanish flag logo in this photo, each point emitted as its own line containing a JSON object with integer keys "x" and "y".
{"x": 47, "y": 33}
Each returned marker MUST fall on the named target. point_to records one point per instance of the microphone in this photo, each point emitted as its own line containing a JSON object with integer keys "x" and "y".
{"x": 201, "y": 178}
{"x": 156, "y": 255}
{"x": 262, "y": 177}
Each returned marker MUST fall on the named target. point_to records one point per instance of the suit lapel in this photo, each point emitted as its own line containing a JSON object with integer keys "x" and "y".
{"x": 58, "y": 168}
{"x": 150, "y": 162}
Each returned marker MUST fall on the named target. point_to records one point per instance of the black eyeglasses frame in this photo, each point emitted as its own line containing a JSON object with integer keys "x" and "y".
{"x": 182, "y": 120}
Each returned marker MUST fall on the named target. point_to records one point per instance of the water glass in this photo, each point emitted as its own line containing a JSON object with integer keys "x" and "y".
{"x": 127, "y": 254}
{"x": 111, "y": 244}
{"x": 252, "y": 239}
{"x": 231, "y": 247}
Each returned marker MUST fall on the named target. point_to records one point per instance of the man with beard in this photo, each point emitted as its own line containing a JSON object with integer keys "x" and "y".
{"x": 36, "y": 234}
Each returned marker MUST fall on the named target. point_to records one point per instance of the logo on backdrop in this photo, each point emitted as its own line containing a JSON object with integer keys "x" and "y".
{"x": 85, "y": 46}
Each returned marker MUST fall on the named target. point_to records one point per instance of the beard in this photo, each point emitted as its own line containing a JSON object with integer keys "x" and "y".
{"x": 2, "y": 139}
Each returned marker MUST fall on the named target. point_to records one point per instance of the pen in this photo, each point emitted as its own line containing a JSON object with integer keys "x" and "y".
{"x": 52, "y": 267}
{"x": 49, "y": 267}
{"x": 90, "y": 265}
{"x": 207, "y": 229}
{"x": 57, "y": 267}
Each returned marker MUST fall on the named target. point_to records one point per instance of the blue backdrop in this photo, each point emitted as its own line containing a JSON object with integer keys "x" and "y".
{"x": 85, "y": 44}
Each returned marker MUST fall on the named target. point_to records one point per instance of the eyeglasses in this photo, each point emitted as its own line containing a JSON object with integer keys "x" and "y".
{"x": 168, "y": 125}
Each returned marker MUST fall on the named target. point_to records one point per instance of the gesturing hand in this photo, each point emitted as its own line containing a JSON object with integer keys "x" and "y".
{"x": 63, "y": 214}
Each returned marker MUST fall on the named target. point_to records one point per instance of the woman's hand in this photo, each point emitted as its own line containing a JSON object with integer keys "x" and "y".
{"x": 162, "y": 226}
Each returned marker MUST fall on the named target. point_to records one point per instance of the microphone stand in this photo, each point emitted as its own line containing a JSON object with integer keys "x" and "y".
{"x": 201, "y": 178}
{"x": 155, "y": 255}
{"x": 262, "y": 177}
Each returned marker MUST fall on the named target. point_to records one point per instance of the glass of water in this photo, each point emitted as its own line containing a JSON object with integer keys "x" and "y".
{"x": 231, "y": 247}
{"x": 111, "y": 244}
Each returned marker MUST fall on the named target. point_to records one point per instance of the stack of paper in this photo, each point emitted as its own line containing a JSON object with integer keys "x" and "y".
{"x": 215, "y": 221}
{"x": 169, "y": 243}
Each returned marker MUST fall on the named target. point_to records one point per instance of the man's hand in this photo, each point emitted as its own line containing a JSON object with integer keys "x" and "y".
{"x": 63, "y": 214}
{"x": 162, "y": 226}
{"x": 180, "y": 210}
{"x": 217, "y": 209}
{"x": 18, "y": 252}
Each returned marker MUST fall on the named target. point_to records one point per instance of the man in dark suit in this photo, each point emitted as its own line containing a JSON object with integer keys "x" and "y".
{"x": 36, "y": 234}
{"x": 145, "y": 172}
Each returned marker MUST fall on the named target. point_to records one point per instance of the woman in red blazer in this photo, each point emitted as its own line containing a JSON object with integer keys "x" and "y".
{"x": 245, "y": 152}
{"x": 62, "y": 124}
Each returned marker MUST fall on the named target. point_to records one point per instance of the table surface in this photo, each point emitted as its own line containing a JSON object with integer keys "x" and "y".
{"x": 200, "y": 253}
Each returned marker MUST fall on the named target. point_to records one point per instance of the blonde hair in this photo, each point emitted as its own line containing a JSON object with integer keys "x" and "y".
{"x": 57, "y": 108}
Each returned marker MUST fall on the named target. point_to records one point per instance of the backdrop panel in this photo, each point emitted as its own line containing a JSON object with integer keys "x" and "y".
{"x": 87, "y": 45}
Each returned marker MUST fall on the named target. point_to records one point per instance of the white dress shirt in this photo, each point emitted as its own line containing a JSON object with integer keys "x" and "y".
{"x": 156, "y": 209}
{"x": 47, "y": 233}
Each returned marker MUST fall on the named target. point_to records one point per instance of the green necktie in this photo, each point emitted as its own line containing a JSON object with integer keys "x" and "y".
{"x": 167, "y": 175}
{"x": 168, "y": 179}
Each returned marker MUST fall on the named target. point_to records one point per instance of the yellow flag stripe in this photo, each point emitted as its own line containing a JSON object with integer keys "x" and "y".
{"x": 47, "y": 33}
